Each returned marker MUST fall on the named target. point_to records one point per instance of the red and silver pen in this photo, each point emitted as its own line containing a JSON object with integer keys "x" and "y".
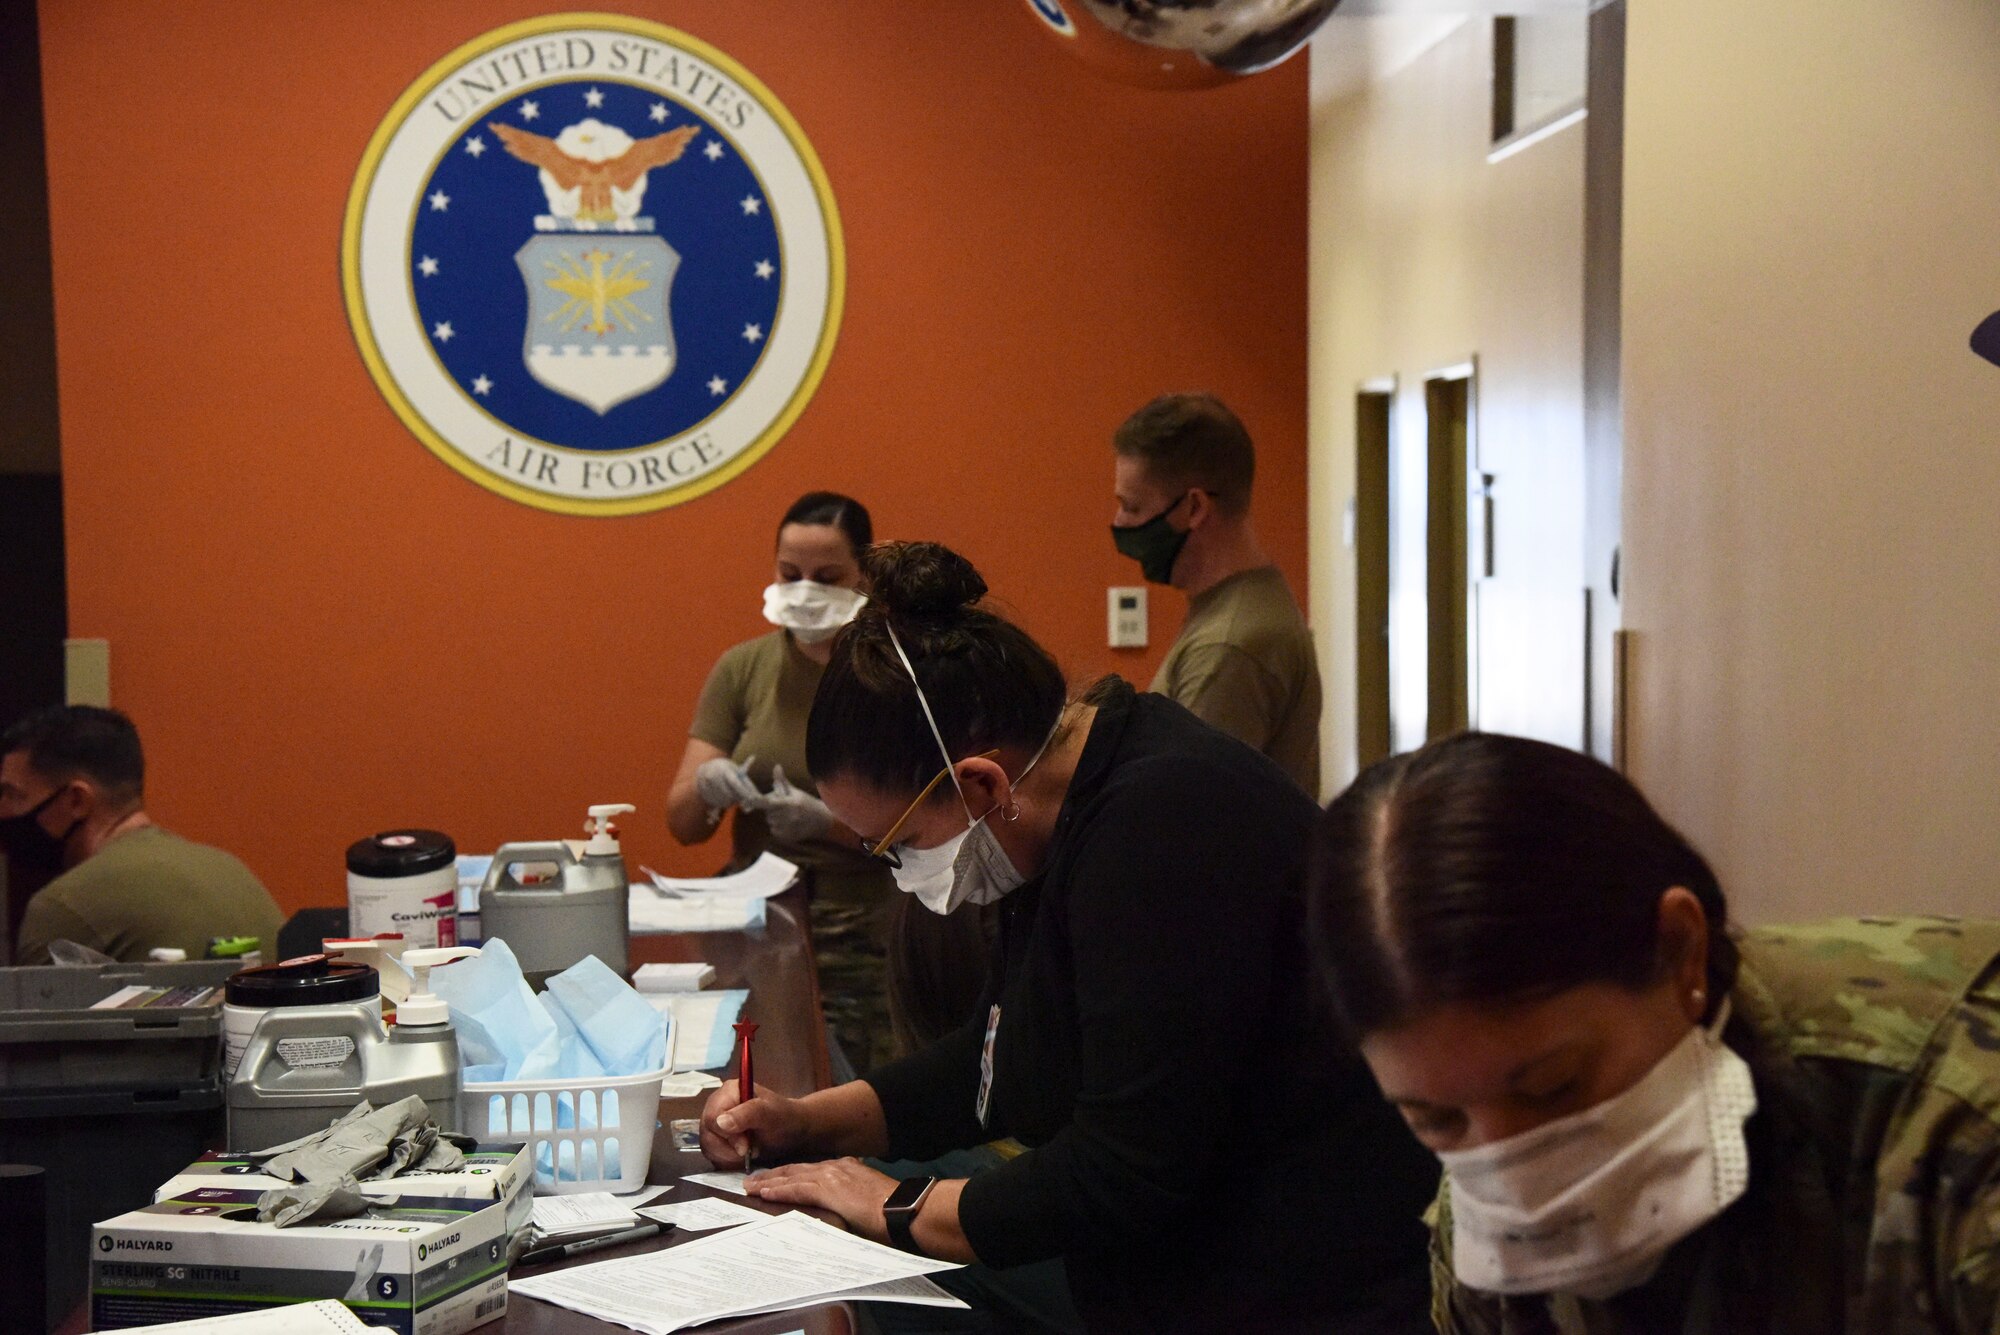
{"x": 746, "y": 1081}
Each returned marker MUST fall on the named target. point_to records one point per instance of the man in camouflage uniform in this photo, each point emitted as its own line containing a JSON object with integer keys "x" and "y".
{"x": 1874, "y": 1198}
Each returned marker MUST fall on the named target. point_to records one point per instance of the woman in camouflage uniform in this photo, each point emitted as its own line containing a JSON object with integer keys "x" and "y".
{"x": 746, "y": 751}
{"x": 1649, "y": 1122}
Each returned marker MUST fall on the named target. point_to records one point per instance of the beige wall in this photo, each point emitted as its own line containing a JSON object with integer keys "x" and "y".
{"x": 1812, "y": 467}
{"x": 1424, "y": 255}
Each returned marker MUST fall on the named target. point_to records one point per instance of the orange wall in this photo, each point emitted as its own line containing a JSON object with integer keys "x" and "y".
{"x": 323, "y": 631}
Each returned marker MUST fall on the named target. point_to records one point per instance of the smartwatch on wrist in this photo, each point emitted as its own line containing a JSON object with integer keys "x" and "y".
{"x": 899, "y": 1212}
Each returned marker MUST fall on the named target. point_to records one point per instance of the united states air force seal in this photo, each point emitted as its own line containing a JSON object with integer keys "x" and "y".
{"x": 593, "y": 264}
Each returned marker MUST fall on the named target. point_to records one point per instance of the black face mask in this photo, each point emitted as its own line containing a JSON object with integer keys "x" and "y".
{"x": 1155, "y": 544}
{"x": 30, "y": 847}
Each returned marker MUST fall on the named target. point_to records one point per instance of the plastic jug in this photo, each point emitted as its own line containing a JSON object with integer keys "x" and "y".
{"x": 581, "y": 910}
{"x": 306, "y": 1065}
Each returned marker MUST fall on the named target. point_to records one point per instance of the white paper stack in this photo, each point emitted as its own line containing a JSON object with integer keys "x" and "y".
{"x": 673, "y": 977}
{"x": 564, "y": 1218}
{"x": 788, "y": 1262}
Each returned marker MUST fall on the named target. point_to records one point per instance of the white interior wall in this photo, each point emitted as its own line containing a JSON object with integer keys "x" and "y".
{"x": 1812, "y": 454}
{"x": 1424, "y": 255}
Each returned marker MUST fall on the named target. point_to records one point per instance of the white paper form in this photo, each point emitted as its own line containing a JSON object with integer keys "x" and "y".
{"x": 768, "y": 875}
{"x": 325, "y": 1317}
{"x": 589, "y": 1211}
{"x": 720, "y": 1181}
{"x": 704, "y": 1213}
{"x": 792, "y": 1260}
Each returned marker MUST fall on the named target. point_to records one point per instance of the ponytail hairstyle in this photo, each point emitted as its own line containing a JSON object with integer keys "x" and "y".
{"x": 1487, "y": 870}
{"x": 988, "y": 683}
{"x": 836, "y": 511}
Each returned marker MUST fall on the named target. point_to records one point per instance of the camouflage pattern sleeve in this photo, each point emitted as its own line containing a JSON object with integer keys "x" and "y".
{"x": 1455, "y": 1309}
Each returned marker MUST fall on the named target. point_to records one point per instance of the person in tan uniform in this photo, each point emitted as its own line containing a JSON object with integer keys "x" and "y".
{"x": 1243, "y": 661}
{"x": 72, "y": 803}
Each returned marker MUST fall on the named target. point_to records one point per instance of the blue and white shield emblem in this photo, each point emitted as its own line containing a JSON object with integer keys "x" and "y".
{"x": 600, "y": 315}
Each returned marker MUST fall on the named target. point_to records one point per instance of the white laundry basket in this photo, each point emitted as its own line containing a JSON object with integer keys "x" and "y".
{"x": 590, "y": 1134}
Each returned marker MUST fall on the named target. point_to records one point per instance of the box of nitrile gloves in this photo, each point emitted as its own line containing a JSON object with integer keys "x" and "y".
{"x": 427, "y": 1265}
{"x": 491, "y": 1172}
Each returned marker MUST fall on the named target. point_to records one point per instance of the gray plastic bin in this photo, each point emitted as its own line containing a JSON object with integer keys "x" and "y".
{"x": 51, "y": 1039}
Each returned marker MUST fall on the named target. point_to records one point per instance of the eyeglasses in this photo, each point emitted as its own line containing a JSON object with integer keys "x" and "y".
{"x": 885, "y": 847}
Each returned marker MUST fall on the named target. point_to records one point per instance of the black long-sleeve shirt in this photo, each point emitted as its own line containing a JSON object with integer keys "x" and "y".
{"x": 1203, "y": 1151}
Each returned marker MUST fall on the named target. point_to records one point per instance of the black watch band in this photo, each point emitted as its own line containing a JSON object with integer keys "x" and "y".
{"x": 900, "y": 1211}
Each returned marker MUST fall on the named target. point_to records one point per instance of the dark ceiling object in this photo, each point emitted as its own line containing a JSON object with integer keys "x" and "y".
{"x": 1986, "y": 339}
{"x": 1182, "y": 44}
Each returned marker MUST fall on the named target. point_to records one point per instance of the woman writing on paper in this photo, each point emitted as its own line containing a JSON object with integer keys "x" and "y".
{"x": 1648, "y": 1122}
{"x": 746, "y": 753}
{"x": 1201, "y": 1153}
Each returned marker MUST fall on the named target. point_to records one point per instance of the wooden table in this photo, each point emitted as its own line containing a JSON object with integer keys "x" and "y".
{"x": 777, "y": 966}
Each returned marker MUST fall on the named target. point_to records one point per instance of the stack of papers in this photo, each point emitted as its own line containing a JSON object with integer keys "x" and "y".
{"x": 649, "y": 913}
{"x": 673, "y": 977}
{"x": 704, "y": 1213}
{"x": 325, "y": 1317}
{"x": 703, "y": 1039}
{"x": 787, "y": 1262}
{"x": 768, "y": 875}
{"x": 563, "y": 1218}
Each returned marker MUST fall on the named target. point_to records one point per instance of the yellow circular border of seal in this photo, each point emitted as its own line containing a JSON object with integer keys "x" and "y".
{"x": 378, "y": 369}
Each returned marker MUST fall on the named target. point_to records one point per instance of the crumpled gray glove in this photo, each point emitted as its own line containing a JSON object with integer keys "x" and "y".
{"x": 294, "y": 1204}
{"x": 794, "y": 816}
{"x": 721, "y": 783}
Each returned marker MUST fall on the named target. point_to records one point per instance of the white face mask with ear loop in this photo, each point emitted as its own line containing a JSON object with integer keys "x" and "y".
{"x": 812, "y": 612}
{"x": 1591, "y": 1203}
{"x": 970, "y": 867}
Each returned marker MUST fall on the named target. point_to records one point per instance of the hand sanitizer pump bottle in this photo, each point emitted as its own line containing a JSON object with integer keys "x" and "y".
{"x": 553, "y": 922}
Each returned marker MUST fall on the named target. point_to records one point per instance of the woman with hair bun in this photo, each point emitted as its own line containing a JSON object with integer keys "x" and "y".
{"x": 1202, "y": 1153}
{"x": 1646, "y": 1122}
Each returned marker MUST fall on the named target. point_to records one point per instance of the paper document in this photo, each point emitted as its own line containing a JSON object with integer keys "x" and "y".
{"x": 650, "y": 912}
{"x": 325, "y": 1317}
{"x": 704, "y": 1213}
{"x": 790, "y": 1261}
{"x": 719, "y": 1181}
{"x": 589, "y": 1211}
{"x": 768, "y": 875}
{"x": 673, "y": 977}
{"x": 703, "y": 1039}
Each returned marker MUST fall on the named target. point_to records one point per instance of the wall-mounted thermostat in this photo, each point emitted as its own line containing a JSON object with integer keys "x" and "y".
{"x": 1128, "y": 618}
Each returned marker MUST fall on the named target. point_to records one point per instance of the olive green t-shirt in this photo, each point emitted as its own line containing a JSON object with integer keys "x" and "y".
{"x": 1244, "y": 663}
{"x": 146, "y": 889}
{"x": 754, "y": 710}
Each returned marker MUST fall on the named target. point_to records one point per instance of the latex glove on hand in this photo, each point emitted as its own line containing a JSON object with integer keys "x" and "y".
{"x": 721, "y": 783}
{"x": 793, "y": 816}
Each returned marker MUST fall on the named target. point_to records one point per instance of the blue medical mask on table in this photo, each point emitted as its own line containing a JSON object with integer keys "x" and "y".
{"x": 811, "y": 612}
{"x": 970, "y": 867}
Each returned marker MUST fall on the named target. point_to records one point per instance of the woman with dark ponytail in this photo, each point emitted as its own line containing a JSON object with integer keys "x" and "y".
{"x": 1647, "y": 1121}
{"x": 1203, "y": 1153}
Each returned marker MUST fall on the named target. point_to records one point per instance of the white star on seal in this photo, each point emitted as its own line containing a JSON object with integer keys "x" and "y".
{"x": 752, "y": 204}
{"x": 530, "y": 110}
{"x": 659, "y": 111}
{"x": 442, "y": 333}
{"x": 593, "y": 98}
{"x": 714, "y": 150}
{"x": 427, "y": 266}
{"x": 439, "y": 199}
{"x": 475, "y": 146}
{"x": 752, "y": 333}
{"x": 481, "y": 385}
{"x": 765, "y": 268}
{"x": 717, "y": 386}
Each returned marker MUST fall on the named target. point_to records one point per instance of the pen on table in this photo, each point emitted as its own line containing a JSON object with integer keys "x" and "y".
{"x": 563, "y": 1250}
{"x": 746, "y": 1082}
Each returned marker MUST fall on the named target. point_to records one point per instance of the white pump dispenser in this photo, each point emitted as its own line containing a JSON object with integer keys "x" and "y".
{"x": 603, "y": 834}
{"x": 406, "y": 974}
{"x": 422, "y": 1007}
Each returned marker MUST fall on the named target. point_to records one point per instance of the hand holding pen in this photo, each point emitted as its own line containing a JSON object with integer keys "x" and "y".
{"x": 746, "y": 1082}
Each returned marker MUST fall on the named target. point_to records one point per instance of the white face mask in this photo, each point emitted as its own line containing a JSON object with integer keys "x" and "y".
{"x": 970, "y": 867}
{"x": 1590, "y": 1204}
{"x": 811, "y": 612}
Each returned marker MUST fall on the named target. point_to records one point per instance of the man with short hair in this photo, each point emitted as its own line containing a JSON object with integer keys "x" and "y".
{"x": 72, "y": 801}
{"x": 1243, "y": 661}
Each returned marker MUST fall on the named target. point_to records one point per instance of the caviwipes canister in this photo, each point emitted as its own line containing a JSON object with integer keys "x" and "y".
{"x": 579, "y": 907}
{"x": 404, "y": 881}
